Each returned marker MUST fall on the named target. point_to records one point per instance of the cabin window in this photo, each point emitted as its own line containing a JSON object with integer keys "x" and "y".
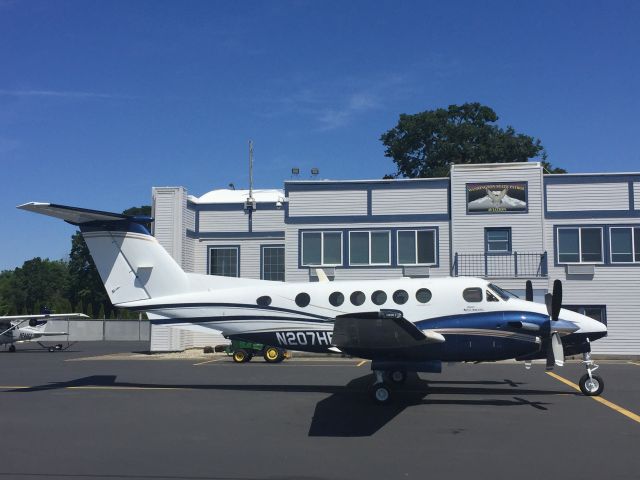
{"x": 416, "y": 247}
{"x": 273, "y": 263}
{"x": 369, "y": 248}
{"x": 597, "y": 312}
{"x": 336, "y": 299}
{"x": 400, "y": 297}
{"x": 303, "y": 299}
{"x": 625, "y": 244}
{"x": 423, "y": 295}
{"x": 497, "y": 240}
{"x": 224, "y": 261}
{"x": 357, "y": 298}
{"x": 378, "y": 297}
{"x": 264, "y": 301}
{"x": 580, "y": 245}
{"x": 473, "y": 294}
{"x": 321, "y": 248}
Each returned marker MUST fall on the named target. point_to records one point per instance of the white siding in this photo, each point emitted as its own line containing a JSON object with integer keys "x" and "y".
{"x": 167, "y": 209}
{"x": 224, "y": 221}
{"x": 636, "y": 195}
{"x": 409, "y": 201}
{"x": 526, "y": 228}
{"x": 323, "y": 203}
{"x": 249, "y": 253}
{"x": 176, "y": 339}
{"x": 591, "y": 196}
{"x": 268, "y": 220}
{"x": 295, "y": 274}
{"x": 617, "y": 287}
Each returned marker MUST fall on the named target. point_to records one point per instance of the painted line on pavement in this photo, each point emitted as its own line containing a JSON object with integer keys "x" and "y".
{"x": 634, "y": 363}
{"x": 361, "y": 363}
{"x": 603, "y": 401}
{"x": 210, "y": 361}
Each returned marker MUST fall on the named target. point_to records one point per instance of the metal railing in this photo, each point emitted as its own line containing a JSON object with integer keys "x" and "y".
{"x": 514, "y": 265}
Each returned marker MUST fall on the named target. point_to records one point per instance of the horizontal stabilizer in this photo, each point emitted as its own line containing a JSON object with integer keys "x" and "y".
{"x": 78, "y": 216}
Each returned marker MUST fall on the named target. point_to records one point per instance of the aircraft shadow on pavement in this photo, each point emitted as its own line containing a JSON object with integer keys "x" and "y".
{"x": 348, "y": 411}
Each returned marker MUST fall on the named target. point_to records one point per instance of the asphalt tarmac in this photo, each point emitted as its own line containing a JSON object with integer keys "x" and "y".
{"x": 66, "y": 418}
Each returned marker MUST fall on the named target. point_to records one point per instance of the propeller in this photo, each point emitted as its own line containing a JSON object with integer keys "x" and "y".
{"x": 529, "y": 291}
{"x": 555, "y": 354}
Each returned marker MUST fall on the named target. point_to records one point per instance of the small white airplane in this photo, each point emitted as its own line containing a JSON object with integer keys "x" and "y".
{"x": 401, "y": 325}
{"x": 26, "y": 328}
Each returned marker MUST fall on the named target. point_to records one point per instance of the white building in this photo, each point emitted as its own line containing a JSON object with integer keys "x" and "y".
{"x": 507, "y": 222}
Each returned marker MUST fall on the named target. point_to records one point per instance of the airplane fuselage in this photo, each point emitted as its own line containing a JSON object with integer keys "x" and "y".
{"x": 477, "y": 321}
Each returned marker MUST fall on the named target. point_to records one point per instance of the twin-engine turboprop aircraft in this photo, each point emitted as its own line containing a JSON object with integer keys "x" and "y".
{"x": 26, "y": 328}
{"x": 403, "y": 325}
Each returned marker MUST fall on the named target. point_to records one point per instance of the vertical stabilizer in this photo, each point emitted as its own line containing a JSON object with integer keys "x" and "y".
{"x": 131, "y": 263}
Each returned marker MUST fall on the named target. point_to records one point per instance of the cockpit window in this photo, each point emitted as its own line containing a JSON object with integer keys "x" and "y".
{"x": 472, "y": 294}
{"x": 491, "y": 297}
{"x": 502, "y": 293}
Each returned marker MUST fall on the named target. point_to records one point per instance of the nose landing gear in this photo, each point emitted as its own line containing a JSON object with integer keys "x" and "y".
{"x": 590, "y": 385}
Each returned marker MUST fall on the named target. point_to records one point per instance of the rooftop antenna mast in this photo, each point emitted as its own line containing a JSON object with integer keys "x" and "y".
{"x": 251, "y": 203}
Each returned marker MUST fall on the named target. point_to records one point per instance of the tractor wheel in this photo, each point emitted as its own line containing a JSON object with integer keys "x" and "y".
{"x": 241, "y": 356}
{"x": 273, "y": 355}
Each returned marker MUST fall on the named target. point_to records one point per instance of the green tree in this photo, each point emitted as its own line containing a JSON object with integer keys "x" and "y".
{"x": 426, "y": 144}
{"x": 101, "y": 311}
{"x": 90, "y": 310}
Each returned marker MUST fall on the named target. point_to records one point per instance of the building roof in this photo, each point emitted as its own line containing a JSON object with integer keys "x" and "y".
{"x": 226, "y": 195}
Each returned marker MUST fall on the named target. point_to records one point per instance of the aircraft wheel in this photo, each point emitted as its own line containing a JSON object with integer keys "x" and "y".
{"x": 380, "y": 393}
{"x": 12, "y": 348}
{"x": 59, "y": 346}
{"x": 52, "y": 349}
{"x": 397, "y": 376}
{"x": 591, "y": 387}
{"x": 241, "y": 356}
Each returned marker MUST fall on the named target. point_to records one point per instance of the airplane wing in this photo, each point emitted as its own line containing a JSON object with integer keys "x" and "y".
{"x": 51, "y": 316}
{"x": 386, "y": 329}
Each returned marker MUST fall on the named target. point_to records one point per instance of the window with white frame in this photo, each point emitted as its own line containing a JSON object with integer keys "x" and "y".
{"x": 321, "y": 248}
{"x": 370, "y": 248}
{"x": 223, "y": 261}
{"x": 497, "y": 240}
{"x": 416, "y": 247}
{"x": 625, "y": 244}
{"x": 580, "y": 245}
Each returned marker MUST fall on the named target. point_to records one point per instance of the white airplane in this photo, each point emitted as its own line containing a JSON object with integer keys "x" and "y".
{"x": 402, "y": 325}
{"x": 26, "y": 328}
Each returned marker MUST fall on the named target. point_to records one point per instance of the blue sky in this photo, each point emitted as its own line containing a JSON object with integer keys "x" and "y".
{"x": 101, "y": 100}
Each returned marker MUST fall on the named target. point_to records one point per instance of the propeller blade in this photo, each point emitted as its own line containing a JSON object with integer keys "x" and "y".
{"x": 558, "y": 349}
{"x": 548, "y": 299}
{"x": 529, "y": 291}
{"x": 556, "y": 304}
{"x": 550, "y": 361}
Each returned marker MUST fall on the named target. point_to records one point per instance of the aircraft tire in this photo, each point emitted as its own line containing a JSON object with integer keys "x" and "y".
{"x": 52, "y": 349}
{"x": 12, "y": 348}
{"x": 397, "y": 376}
{"x": 591, "y": 387}
{"x": 380, "y": 393}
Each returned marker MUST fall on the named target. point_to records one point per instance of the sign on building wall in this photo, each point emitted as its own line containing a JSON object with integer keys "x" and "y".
{"x": 497, "y": 197}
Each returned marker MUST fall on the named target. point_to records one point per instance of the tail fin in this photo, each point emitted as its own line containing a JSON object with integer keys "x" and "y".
{"x": 132, "y": 264}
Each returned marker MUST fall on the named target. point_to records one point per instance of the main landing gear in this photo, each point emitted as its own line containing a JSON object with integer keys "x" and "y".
{"x": 380, "y": 391}
{"x": 12, "y": 348}
{"x": 591, "y": 385}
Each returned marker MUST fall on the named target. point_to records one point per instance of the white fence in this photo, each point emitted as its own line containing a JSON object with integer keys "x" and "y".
{"x": 87, "y": 330}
